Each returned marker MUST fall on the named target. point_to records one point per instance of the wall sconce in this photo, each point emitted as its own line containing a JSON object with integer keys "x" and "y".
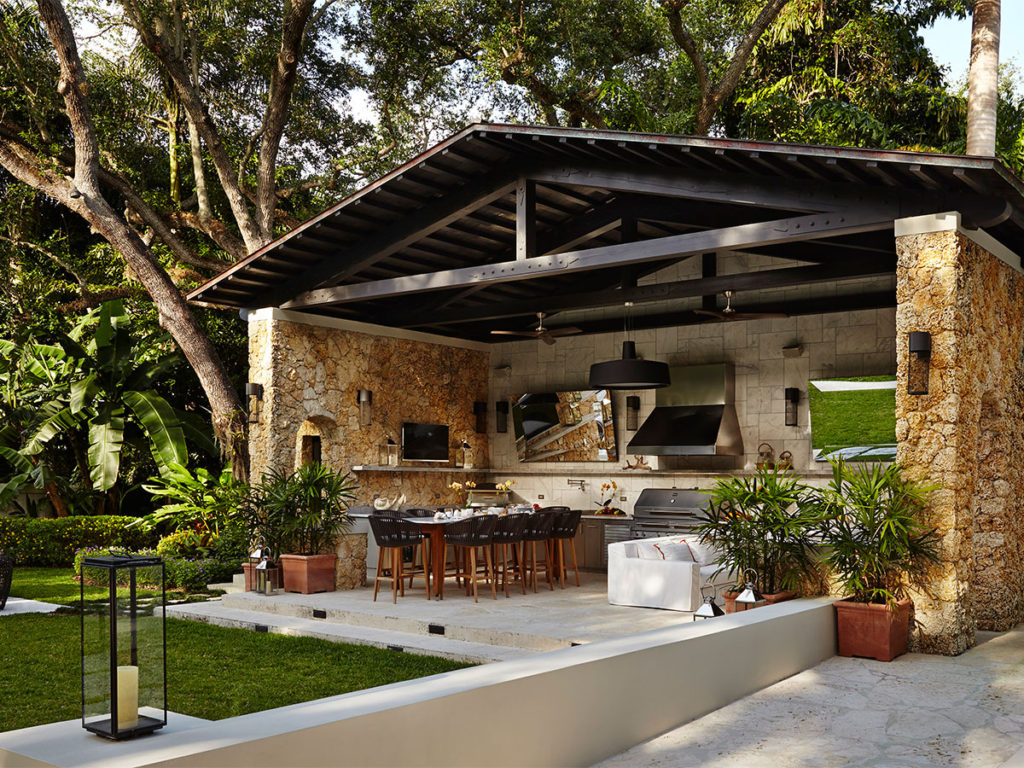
{"x": 480, "y": 411}
{"x": 252, "y": 389}
{"x": 920, "y": 347}
{"x": 632, "y": 412}
{"x": 365, "y": 400}
{"x": 501, "y": 416}
{"x": 792, "y": 401}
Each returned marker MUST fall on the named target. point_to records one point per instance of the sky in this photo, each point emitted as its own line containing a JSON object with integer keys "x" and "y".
{"x": 949, "y": 40}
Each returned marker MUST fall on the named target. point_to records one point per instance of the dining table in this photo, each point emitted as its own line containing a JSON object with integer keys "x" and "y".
{"x": 433, "y": 527}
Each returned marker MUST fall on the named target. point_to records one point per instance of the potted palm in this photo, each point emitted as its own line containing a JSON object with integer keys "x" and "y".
{"x": 310, "y": 506}
{"x": 875, "y": 543}
{"x": 762, "y": 523}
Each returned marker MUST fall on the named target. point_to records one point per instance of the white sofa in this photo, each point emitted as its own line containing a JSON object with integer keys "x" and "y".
{"x": 665, "y": 572}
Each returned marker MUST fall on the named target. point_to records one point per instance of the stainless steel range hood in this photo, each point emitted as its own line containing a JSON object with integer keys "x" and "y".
{"x": 694, "y": 416}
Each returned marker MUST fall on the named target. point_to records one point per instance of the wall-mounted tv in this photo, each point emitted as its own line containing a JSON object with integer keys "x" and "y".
{"x": 424, "y": 442}
{"x": 853, "y": 418}
{"x": 564, "y": 426}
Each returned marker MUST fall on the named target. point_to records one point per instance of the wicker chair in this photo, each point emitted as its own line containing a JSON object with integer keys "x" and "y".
{"x": 564, "y": 529}
{"x": 419, "y": 512}
{"x": 6, "y": 573}
{"x": 539, "y": 530}
{"x": 392, "y": 535}
{"x": 468, "y": 536}
{"x": 508, "y": 532}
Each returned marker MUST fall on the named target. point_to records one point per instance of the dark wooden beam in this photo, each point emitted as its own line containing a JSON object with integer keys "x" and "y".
{"x": 727, "y": 238}
{"x": 427, "y": 220}
{"x": 707, "y": 286}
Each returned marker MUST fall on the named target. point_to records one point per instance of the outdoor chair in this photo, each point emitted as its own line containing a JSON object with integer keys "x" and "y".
{"x": 539, "y": 530}
{"x": 392, "y": 536}
{"x": 508, "y": 532}
{"x": 419, "y": 512}
{"x": 468, "y": 536}
{"x": 564, "y": 529}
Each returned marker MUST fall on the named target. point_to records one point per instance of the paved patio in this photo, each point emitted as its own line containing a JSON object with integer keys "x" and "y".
{"x": 918, "y": 711}
{"x": 456, "y": 627}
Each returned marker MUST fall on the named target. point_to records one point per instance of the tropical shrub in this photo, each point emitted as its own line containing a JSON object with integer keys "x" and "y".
{"x": 872, "y": 529}
{"x": 189, "y": 574}
{"x": 200, "y": 501}
{"x": 53, "y": 541}
{"x": 763, "y": 522}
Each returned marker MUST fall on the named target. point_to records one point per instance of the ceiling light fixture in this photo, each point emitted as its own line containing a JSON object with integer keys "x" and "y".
{"x": 630, "y": 372}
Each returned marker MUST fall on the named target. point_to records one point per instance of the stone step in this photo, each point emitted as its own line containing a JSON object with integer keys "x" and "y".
{"x": 411, "y": 616}
{"x": 215, "y": 612}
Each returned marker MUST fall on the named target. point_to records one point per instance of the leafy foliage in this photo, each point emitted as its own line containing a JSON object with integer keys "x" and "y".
{"x": 872, "y": 526}
{"x": 201, "y": 503}
{"x": 310, "y": 506}
{"x": 762, "y": 522}
{"x": 53, "y": 541}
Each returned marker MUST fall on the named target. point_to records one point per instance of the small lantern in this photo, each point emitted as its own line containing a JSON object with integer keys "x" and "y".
{"x": 709, "y": 609}
{"x": 501, "y": 409}
{"x": 919, "y": 345}
{"x": 480, "y": 414}
{"x": 265, "y": 575}
{"x": 124, "y": 648}
{"x": 365, "y": 400}
{"x": 750, "y": 597}
{"x": 389, "y": 453}
{"x": 467, "y": 455}
{"x": 792, "y": 405}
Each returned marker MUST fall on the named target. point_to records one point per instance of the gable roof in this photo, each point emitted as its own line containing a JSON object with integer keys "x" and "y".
{"x": 434, "y": 244}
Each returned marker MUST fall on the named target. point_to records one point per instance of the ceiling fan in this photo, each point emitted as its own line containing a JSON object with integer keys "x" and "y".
{"x": 731, "y": 314}
{"x": 547, "y": 335}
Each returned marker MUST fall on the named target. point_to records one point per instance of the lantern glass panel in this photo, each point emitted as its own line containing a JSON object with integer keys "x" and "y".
{"x": 124, "y": 692}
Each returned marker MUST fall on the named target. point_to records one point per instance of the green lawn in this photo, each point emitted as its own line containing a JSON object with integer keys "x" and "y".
{"x": 56, "y": 585}
{"x": 212, "y": 672}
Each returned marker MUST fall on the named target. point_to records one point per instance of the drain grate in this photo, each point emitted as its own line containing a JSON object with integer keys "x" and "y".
{"x": 318, "y": 614}
{"x": 262, "y": 628}
{"x": 435, "y": 629}
{"x": 396, "y": 648}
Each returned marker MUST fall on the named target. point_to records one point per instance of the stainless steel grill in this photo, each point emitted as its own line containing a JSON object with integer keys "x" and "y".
{"x": 664, "y": 511}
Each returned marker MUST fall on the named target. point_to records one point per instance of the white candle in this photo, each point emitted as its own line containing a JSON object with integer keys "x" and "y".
{"x": 127, "y": 697}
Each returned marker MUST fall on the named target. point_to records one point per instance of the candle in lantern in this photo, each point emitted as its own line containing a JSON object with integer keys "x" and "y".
{"x": 127, "y": 697}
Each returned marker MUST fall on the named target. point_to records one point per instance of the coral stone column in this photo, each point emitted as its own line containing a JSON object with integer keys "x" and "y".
{"x": 958, "y": 436}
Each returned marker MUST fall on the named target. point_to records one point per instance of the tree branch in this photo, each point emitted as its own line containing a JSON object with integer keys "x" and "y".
{"x": 685, "y": 41}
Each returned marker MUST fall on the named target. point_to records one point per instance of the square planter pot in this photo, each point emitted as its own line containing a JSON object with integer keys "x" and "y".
{"x": 250, "y": 583}
{"x": 308, "y": 573}
{"x": 771, "y": 597}
{"x": 872, "y": 631}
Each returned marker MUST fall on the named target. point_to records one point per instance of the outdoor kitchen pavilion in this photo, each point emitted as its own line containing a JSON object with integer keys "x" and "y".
{"x": 498, "y": 223}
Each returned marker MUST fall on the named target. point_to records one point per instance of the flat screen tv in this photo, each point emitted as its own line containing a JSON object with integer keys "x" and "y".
{"x": 854, "y": 418}
{"x": 424, "y": 442}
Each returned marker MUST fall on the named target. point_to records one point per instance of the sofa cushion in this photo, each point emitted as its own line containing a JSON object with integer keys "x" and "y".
{"x": 648, "y": 550}
{"x": 678, "y": 551}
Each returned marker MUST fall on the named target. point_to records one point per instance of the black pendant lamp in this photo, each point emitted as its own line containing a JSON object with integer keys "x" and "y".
{"x": 630, "y": 372}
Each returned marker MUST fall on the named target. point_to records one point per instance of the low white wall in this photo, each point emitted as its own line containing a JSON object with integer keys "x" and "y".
{"x": 571, "y": 707}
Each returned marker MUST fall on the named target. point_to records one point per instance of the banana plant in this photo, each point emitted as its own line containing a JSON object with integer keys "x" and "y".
{"x": 103, "y": 386}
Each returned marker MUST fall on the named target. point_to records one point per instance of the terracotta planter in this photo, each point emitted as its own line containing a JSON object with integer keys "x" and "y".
{"x": 308, "y": 573}
{"x": 250, "y": 583}
{"x": 779, "y": 597}
{"x": 872, "y": 631}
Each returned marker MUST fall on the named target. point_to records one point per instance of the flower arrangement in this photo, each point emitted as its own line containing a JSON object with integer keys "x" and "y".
{"x": 463, "y": 491}
{"x": 505, "y": 487}
{"x": 606, "y": 507}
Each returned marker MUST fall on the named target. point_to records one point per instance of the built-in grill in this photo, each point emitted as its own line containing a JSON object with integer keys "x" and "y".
{"x": 664, "y": 511}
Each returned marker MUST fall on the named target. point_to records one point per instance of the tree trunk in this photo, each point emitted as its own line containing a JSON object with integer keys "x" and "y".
{"x": 983, "y": 90}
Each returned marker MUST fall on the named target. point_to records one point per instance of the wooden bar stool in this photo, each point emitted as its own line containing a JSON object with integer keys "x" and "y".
{"x": 468, "y": 536}
{"x": 564, "y": 529}
{"x": 539, "y": 530}
{"x": 393, "y": 535}
{"x": 509, "y": 533}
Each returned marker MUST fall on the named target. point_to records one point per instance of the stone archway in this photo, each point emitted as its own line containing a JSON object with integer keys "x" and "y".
{"x": 315, "y": 440}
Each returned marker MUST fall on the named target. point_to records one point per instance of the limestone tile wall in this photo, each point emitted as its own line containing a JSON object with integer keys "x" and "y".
{"x": 966, "y": 434}
{"x": 311, "y": 375}
{"x": 838, "y": 344}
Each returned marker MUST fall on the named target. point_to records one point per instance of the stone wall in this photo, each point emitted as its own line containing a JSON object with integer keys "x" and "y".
{"x": 311, "y": 375}
{"x": 966, "y": 434}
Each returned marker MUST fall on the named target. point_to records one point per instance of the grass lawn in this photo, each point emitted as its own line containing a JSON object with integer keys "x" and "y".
{"x": 212, "y": 672}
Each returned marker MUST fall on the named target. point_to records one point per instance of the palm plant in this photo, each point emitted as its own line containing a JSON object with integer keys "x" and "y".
{"x": 305, "y": 510}
{"x": 871, "y": 525}
{"x": 762, "y": 522}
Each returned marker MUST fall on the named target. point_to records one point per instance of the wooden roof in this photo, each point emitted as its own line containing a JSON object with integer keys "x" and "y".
{"x": 501, "y": 221}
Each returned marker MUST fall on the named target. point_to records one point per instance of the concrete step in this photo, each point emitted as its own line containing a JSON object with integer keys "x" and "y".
{"x": 411, "y": 616}
{"x": 236, "y": 585}
{"x": 215, "y": 612}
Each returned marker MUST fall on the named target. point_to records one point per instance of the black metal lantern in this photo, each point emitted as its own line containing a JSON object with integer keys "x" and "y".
{"x": 124, "y": 648}
{"x": 265, "y": 575}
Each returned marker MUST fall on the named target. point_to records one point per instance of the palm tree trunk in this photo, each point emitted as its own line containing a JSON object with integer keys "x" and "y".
{"x": 983, "y": 91}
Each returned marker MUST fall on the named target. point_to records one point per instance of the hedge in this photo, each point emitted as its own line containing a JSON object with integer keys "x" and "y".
{"x": 54, "y": 541}
{"x": 189, "y": 574}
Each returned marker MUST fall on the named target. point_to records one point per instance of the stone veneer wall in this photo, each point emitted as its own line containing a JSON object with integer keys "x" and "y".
{"x": 311, "y": 374}
{"x": 966, "y": 434}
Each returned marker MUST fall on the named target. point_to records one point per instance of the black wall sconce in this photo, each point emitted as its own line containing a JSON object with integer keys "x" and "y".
{"x": 632, "y": 412}
{"x": 501, "y": 416}
{"x": 792, "y": 401}
{"x": 252, "y": 389}
{"x": 480, "y": 411}
{"x": 365, "y": 400}
{"x": 918, "y": 362}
